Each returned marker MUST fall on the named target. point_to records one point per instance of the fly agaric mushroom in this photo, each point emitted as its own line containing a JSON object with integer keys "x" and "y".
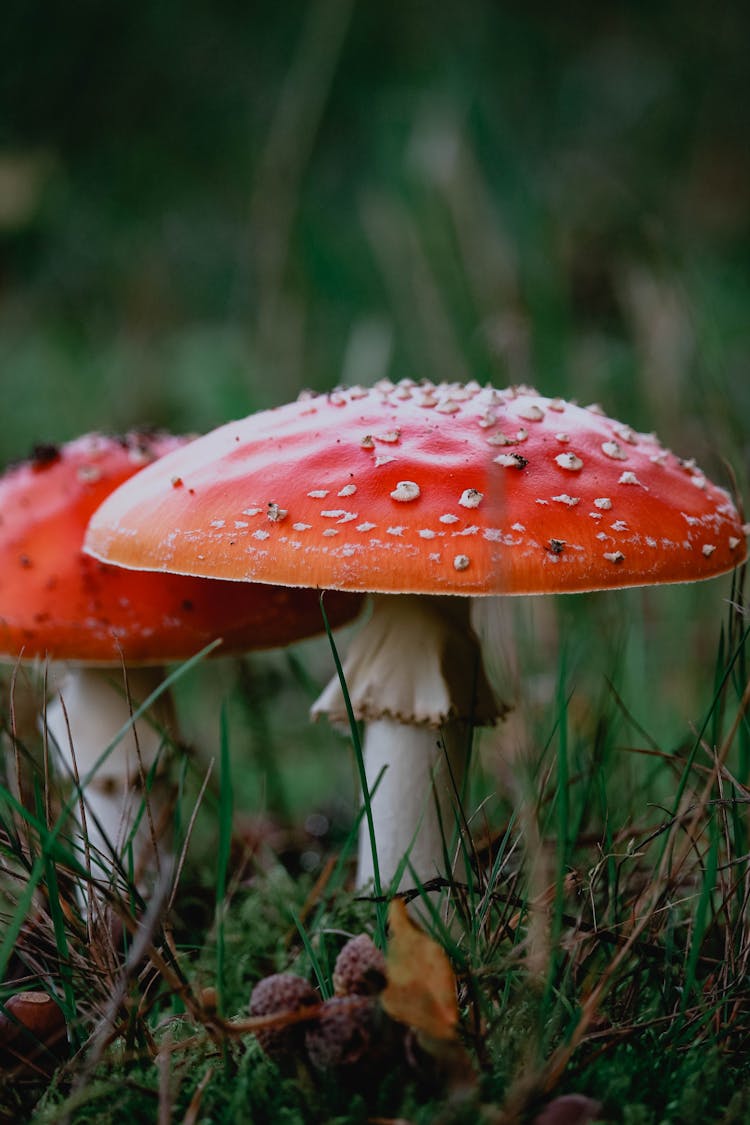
{"x": 410, "y": 491}
{"x": 60, "y": 604}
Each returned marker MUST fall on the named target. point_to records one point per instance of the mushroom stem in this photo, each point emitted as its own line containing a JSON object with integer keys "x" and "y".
{"x": 414, "y": 674}
{"x": 415, "y": 807}
{"x": 89, "y": 709}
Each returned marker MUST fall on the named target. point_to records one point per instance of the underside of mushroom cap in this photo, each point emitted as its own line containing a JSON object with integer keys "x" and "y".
{"x": 425, "y": 489}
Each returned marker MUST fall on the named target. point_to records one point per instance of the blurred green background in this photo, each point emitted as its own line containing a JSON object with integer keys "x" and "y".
{"x": 205, "y": 208}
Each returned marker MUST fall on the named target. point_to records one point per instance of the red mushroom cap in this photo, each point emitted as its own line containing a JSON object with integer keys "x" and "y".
{"x": 426, "y": 489}
{"x": 57, "y": 602}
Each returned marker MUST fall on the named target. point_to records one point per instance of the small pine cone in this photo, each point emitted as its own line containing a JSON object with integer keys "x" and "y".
{"x": 568, "y": 1109}
{"x": 359, "y": 969}
{"x": 342, "y": 1034}
{"x": 281, "y": 992}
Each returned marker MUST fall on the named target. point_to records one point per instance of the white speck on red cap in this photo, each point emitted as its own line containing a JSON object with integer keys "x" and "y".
{"x": 88, "y": 473}
{"x": 614, "y": 450}
{"x": 405, "y": 491}
{"x": 531, "y": 413}
{"x": 630, "y": 478}
{"x": 569, "y": 461}
{"x": 511, "y": 461}
{"x": 471, "y": 498}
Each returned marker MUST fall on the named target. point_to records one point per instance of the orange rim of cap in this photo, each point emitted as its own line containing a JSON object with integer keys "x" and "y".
{"x": 422, "y": 488}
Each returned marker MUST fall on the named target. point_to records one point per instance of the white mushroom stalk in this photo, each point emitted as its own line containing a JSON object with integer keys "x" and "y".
{"x": 125, "y": 800}
{"x": 414, "y": 675}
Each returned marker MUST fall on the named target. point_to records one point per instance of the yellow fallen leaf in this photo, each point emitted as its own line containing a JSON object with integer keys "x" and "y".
{"x": 421, "y": 989}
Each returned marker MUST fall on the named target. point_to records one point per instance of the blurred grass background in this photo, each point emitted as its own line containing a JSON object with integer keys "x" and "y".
{"x": 206, "y": 208}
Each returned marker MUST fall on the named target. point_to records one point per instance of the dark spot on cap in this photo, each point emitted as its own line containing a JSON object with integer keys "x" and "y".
{"x": 556, "y": 546}
{"x": 187, "y": 605}
{"x": 44, "y": 455}
{"x": 25, "y": 561}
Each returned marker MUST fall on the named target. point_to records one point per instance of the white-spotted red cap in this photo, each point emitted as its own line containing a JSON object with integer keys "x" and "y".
{"x": 426, "y": 489}
{"x": 57, "y": 602}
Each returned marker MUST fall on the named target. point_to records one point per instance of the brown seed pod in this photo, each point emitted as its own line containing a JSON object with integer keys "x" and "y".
{"x": 342, "y": 1034}
{"x": 281, "y": 992}
{"x": 568, "y": 1109}
{"x": 32, "y": 1032}
{"x": 360, "y": 968}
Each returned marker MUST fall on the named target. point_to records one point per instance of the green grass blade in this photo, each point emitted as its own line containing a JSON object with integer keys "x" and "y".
{"x": 226, "y": 809}
{"x": 380, "y": 908}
